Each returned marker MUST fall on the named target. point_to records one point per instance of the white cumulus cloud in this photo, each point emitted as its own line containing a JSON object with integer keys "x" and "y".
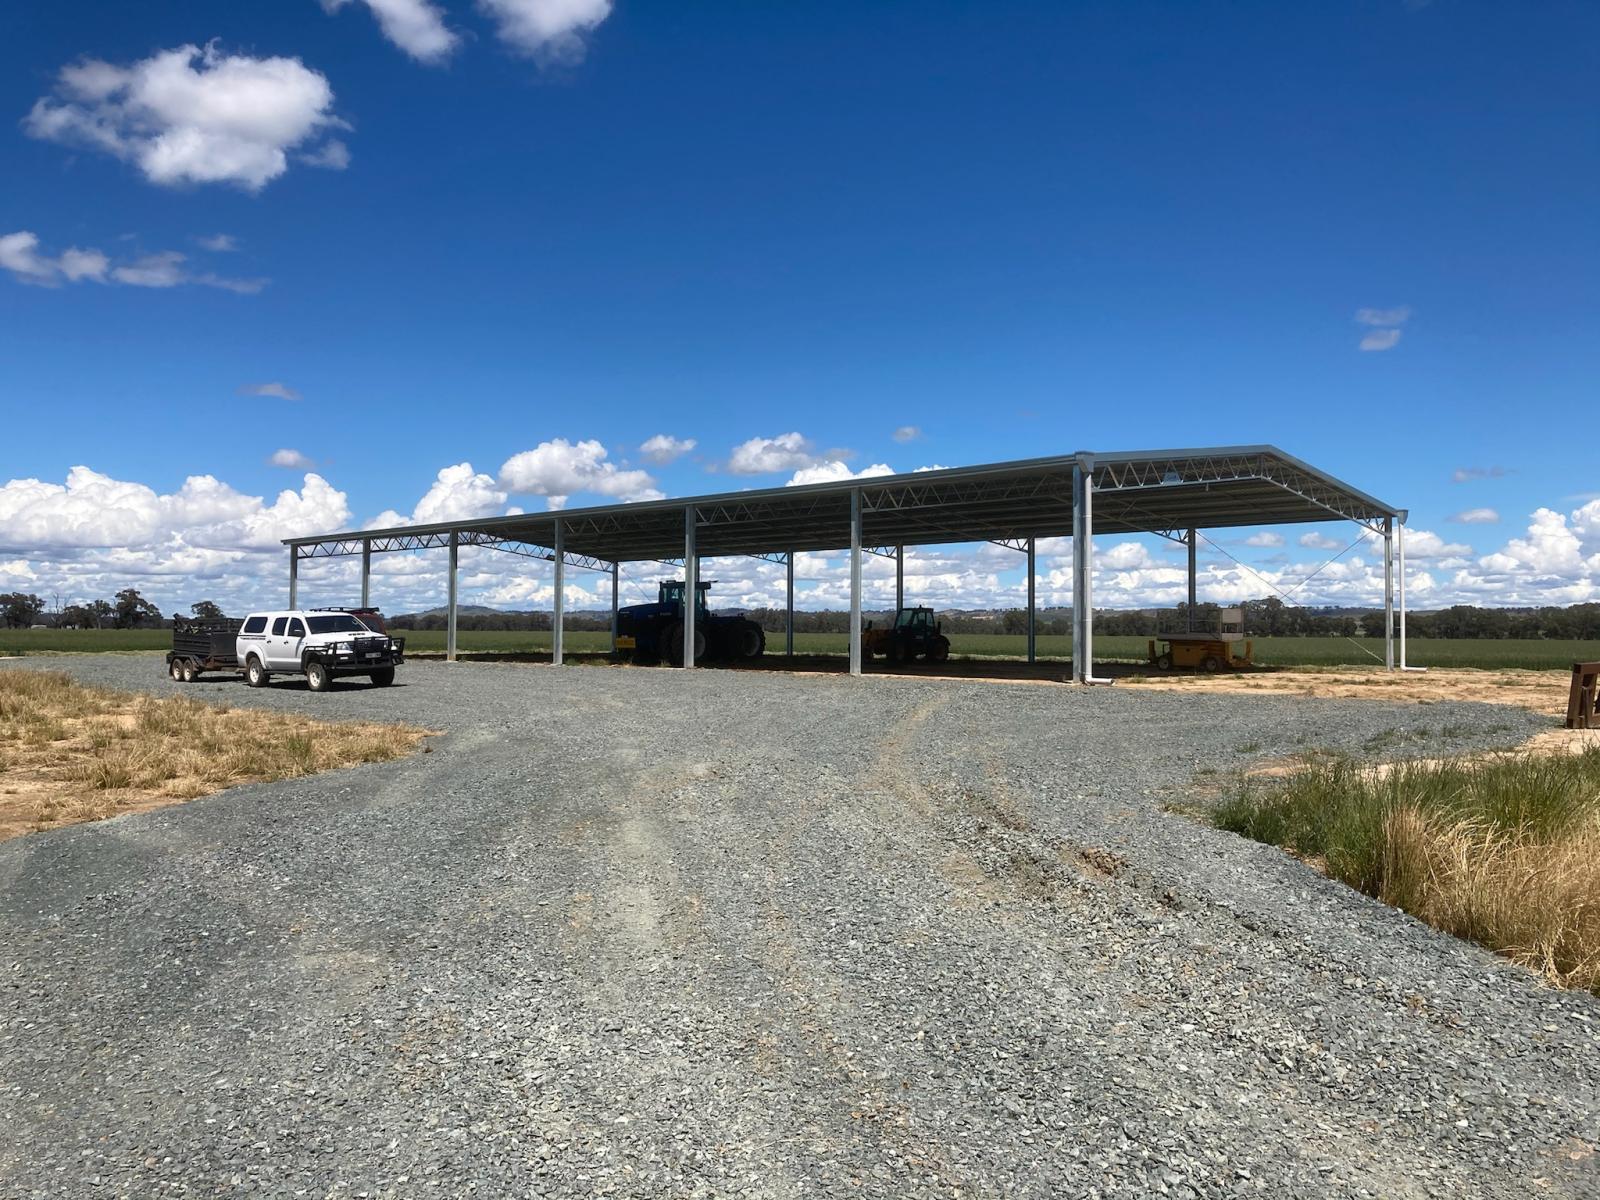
{"x": 291, "y": 460}
{"x": 416, "y": 26}
{"x": 1383, "y": 316}
{"x": 907, "y": 433}
{"x": 459, "y": 494}
{"x": 1476, "y": 516}
{"x": 664, "y": 448}
{"x": 1381, "y": 339}
{"x": 552, "y": 30}
{"x": 190, "y": 115}
{"x": 1265, "y": 538}
{"x": 834, "y": 470}
{"x": 558, "y": 468}
{"x": 761, "y": 455}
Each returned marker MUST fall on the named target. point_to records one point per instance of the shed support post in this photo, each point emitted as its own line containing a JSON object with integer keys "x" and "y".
{"x": 788, "y": 611}
{"x": 450, "y": 611}
{"x": 1088, "y": 576}
{"x": 1077, "y": 572}
{"x": 899, "y": 579}
{"x": 855, "y": 581}
{"x": 558, "y": 619}
{"x": 1400, "y": 547}
{"x": 614, "y": 567}
{"x": 1032, "y": 583}
{"x": 1083, "y": 572}
{"x": 366, "y": 572}
{"x": 691, "y": 583}
{"x": 1193, "y": 537}
{"x": 294, "y": 576}
{"x": 1388, "y": 593}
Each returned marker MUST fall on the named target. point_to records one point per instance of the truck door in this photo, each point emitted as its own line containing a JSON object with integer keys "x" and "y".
{"x": 293, "y": 639}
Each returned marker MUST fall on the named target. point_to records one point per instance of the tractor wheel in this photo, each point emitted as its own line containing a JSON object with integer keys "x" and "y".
{"x": 1211, "y": 664}
{"x": 752, "y": 641}
{"x": 317, "y": 677}
{"x": 175, "y": 669}
{"x": 893, "y": 653}
{"x": 1164, "y": 662}
{"x": 938, "y": 649}
{"x": 672, "y": 639}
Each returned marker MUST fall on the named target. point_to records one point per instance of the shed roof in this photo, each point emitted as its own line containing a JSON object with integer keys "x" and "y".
{"x": 1143, "y": 491}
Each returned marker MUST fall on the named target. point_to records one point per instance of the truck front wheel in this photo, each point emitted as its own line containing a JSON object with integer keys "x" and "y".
{"x": 383, "y": 677}
{"x": 317, "y": 677}
{"x": 254, "y": 673}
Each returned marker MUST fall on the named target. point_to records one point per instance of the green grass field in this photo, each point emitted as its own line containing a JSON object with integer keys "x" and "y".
{"x": 1285, "y": 652}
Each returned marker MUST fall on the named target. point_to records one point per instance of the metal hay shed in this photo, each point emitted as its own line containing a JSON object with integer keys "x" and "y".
{"x": 1172, "y": 493}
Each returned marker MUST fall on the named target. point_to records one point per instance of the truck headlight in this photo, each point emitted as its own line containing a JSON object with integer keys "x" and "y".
{"x": 344, "y": 648}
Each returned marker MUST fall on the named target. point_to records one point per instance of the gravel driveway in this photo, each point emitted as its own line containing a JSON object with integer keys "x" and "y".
{"x": 651, "y": 933}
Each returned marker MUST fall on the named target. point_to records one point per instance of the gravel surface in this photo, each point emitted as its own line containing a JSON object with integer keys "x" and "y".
{"x": 647, "y": 933}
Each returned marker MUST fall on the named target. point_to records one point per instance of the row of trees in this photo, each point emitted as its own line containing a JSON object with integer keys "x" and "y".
{"x": 129, "y": 610}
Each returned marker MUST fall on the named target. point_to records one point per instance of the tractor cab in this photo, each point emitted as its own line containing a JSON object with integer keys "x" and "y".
{"x": 916, "y": 621}
{"x": 670, "y": 591}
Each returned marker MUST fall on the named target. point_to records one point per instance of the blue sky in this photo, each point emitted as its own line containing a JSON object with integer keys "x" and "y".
{"x": 466, "y": 231}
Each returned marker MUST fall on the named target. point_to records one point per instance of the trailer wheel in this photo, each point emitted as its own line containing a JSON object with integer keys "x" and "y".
{"x": 175, "y": 669}
{"x": 254, "y": 673}
{"x": 190, "y": 671}
{"x": 317, "y": 677}
{"x": 1164, "y": 662}
{"x": 383, "y": 677}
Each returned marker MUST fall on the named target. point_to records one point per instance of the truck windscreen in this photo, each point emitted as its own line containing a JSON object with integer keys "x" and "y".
{"x": 336, "y": 623}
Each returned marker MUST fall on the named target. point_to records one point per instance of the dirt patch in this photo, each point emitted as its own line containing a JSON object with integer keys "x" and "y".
{"x": 1540, "y": 691}
{"x": 70, "y": 753}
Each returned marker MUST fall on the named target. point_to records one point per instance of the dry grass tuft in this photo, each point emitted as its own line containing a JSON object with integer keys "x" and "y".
{"x": 72, "y": 753}
{"x": 1503, "y": 850}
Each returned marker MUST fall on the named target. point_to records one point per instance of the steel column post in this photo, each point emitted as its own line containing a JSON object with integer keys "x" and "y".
{"x": 788, "y": 611}
{"x": 614, "y": 568}
{"x": 1400, "y": 546}
{"x": 558, "y": 620}
{"x": 1033, "y": 576}
{"x": 899, "y": 579}
{"x": 294, "y": 576}
{"x": 1193, "y": 538}
{"x": 1388, "y": 593}
{"x": 1077, "y": 572}
{"x": 855, "y": 581}
{"x": 450, "y": 613}
{"x": 691, "y": 583}
{"x": 1088, "y": 575}
{"x": 366, "y": 572}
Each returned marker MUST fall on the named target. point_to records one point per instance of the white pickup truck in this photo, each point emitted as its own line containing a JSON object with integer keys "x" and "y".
{"x": 317, "y": 644}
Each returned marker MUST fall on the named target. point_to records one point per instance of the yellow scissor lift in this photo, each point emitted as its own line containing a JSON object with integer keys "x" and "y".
{"x": 1205, "y": 651}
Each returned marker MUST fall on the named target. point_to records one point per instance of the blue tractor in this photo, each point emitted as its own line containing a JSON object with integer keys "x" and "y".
{"x": 648, "y": 633}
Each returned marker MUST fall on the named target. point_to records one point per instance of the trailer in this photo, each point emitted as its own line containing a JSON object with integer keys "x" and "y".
{"x": 203, "y": 644}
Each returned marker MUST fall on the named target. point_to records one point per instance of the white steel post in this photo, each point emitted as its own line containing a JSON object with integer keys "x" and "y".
{"x": 558, "y": 619}
{"x": 855, "y": 581}
{"x": 294, "y": 576}
{"x": 614, "y": 567}
{"x": 788, "y": 611}
{"x": 1400, "y": 546}
{"x": 450, "y": 613}
{"x": 1193, "y": 537}
{"x": 691, "y": 584}
{"x": 1388, "y": 593}
{"x": 899, "y": 579}
{"x": 1088, "y": 575}
{"x": 1077, "y": 572}
{"x": 366, "y": 572}
{"x": 1032, "y": 580}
